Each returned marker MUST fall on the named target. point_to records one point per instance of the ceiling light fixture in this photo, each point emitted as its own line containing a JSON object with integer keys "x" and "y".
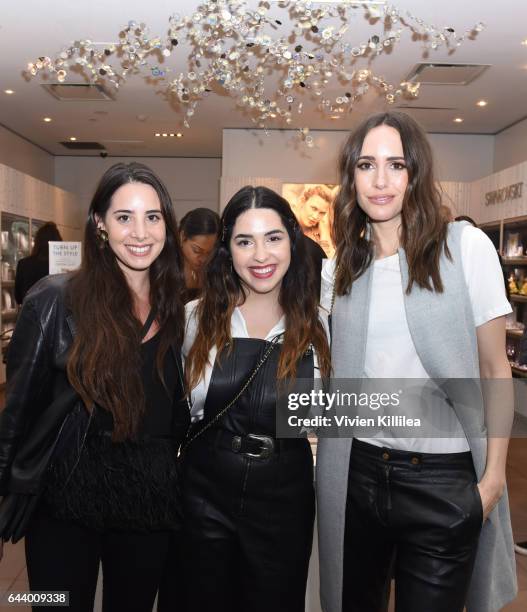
{"x": 9, "y": 92}
{"x": 458, "y": 120}
{"x": 47, "y": 119}
{"x": 481, "y": 103}
{"x": 165, "y": 135}
{"x": 179, "y": 135}
{"x": 248, "y": 47}
{"x": 73, "y": 138}
{"x": 524, "y": 42}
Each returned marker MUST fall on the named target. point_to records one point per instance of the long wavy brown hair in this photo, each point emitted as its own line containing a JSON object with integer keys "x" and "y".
{"x": 424, "y": 218}
{"x": 104, "y": 364}
{"x": 223, "y": 291}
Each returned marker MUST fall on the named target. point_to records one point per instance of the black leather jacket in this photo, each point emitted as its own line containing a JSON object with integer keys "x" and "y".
{"x": 38, "y": 396}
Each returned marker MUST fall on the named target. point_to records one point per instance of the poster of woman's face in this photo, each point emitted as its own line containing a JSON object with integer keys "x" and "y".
{"x": 313, "y": 207}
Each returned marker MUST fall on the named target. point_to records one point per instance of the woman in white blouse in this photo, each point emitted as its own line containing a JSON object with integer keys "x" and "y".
{"x": 248, "y": 496}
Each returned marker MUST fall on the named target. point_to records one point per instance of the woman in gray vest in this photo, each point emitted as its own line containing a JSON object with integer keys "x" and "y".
{"x": 413, "y": 296}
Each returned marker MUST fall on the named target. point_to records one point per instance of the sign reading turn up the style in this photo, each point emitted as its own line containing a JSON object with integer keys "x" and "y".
{"x": 64, "y": 256}
{"x": 512, "y": 192}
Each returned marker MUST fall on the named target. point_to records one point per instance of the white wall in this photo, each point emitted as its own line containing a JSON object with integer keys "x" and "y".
{"x": 252, "y": 157}
{"x": 21, "y": 155}
{"x": 511, "y": 146}
{"x": 462, "y": 157}
{"x": 191, "y": 182}
{"x": 24, "y": 195}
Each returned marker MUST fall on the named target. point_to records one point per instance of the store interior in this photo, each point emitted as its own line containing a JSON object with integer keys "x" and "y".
{"x": 460, "y": 69}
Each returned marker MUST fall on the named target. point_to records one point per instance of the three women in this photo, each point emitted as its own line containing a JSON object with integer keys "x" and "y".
{"x": 412, "y": 508}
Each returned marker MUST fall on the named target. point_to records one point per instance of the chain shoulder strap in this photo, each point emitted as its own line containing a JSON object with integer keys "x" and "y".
{"x": 222, "y": 412}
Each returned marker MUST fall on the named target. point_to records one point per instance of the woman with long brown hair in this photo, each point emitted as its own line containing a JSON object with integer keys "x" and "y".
{"x": 94, "y": 365}
{"x": 248, "y": 495}
{"x": 417, "y": 297}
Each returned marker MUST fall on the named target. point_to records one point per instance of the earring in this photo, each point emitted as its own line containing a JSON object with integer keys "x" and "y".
{"x": 102, "y": 236}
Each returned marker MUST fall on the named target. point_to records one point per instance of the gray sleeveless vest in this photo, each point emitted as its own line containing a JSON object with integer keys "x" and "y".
{"x": 444, "y": 334}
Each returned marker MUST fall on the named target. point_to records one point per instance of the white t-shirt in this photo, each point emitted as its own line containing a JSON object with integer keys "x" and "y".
{"x": 390, "y": 351}
{"x": 238, "y": 330}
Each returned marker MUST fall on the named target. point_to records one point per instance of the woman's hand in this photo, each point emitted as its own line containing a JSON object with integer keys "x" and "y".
{"x": 490, "y": 490}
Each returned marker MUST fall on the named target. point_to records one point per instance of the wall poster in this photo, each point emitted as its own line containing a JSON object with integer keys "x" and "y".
{"x": 312, "y": 204}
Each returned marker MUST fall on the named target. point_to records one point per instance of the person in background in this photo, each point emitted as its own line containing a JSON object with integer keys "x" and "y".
{"x": 100, "y": 347}
{"x": 414, "y": 296}
{"x": 31, "y": 269}
{"x": 248, "y": 495}
{"x": 316, "y": 255}
{"x": 199, "y": 230}
{"x": 467, "y": 219}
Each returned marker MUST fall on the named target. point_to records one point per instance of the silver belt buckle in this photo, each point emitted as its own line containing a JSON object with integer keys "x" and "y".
{"x": 267, "y": 446}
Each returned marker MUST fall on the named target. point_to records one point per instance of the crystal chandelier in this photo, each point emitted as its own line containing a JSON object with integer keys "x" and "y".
{"x": 272, "y": 66}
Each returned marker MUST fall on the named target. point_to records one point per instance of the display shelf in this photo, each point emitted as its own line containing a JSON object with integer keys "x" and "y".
{"x": 15, "y": 243}
{"x": 514, "y": 333}
{"x": 514, "y": 261}
{"x": 494, "y": 231}
{"x": 518, "y": 298}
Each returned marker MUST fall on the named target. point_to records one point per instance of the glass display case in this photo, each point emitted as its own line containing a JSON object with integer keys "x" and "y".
{"x": 15, "y": 242}
{"x": 510, "y": 235}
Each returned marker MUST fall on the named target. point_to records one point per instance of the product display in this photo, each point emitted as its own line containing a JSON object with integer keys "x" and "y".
{"x": 511, "y": 236}
{"x": 16, "y": 238}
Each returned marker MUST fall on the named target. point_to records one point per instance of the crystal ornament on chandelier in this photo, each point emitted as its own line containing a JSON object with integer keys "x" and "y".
{"x": 239, "y": 50}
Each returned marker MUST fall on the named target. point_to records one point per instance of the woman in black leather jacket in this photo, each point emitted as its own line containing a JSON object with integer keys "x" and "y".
{"x": 94, "y": 379}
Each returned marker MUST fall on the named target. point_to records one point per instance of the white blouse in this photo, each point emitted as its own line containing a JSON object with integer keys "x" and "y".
{"x": 238, "y": 330}
{"x": 390, "y": 351}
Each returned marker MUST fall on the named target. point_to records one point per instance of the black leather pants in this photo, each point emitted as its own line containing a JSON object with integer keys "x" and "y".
{"x": 249, "y": 526}
{"x": 416, "y": 518}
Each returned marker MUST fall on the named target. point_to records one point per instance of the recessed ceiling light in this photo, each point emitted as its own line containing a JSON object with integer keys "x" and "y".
{"x": 73, "y": 138}
{"x": 482, "y": 102}
{"x": 458, "y": 120}
{"x": 9, "y": 92}
{"x": 524, "y": 42}
{"x": 172, "y": 135}
{"x": 47, "y": 119}
{"x": 179, "y": 135}
{"x": 158, "y": 134}
{"x": 165, "y": 135}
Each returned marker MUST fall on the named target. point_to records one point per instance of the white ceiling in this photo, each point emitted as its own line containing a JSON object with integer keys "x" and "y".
{"x": 32, "y": 28}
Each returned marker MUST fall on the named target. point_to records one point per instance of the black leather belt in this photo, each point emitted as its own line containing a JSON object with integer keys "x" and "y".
{"x": 255, "y": 446}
